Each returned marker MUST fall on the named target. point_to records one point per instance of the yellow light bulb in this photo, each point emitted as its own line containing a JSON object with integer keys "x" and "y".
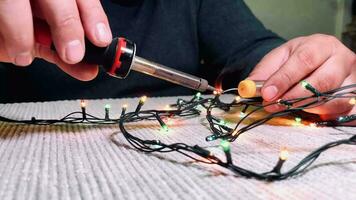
{"x": 125, "y": 106}
{"x": 298, "y": 120}
{"x": 167, "y": 107}
{"x": 284, "y": 154}
{"x": 234, "y": 132}
{"x": 352, "y": 101}
{"x": 143, "y": 99}
{"x": 313, "y": 125}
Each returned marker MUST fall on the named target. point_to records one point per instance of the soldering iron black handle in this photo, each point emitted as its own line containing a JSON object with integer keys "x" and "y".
{"x": 104, "y": 56}
{"x": 116, "y": 58}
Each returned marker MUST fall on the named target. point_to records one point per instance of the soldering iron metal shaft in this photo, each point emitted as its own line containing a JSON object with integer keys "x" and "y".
{"x": 162, "y": 72}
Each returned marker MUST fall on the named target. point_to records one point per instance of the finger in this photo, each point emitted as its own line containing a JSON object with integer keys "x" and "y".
{"x": 320, "y": 79}
{"x": 95, "y": 22}
{"x": 4, "y": 57}
{"x": 272, "y": 62}
{"x": 304, "y": 60}
{"x": 335, "y": 116}
{"x": 329, "y": 76}
{"x": 66, "y": 28}
{"x": 16, "y": 32}
{"x": 80, "y": 71}
{"x": 337, "y": 106}
{"x": 331, "y": 108}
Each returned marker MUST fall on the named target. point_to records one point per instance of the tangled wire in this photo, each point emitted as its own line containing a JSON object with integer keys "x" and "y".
{"x": 220, "y": 130}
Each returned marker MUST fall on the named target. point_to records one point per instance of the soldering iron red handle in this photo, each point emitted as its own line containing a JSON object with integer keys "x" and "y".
{"x": 42, "y": 33}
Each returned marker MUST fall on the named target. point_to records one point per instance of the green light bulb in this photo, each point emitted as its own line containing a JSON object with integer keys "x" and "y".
{"x": 164, "y": 128}
{"x": 341, "y": 119}
{"x": 242, "y": 115}
{"x": 304, "y": 83}
{"x": 222, "y": 122}
{"x": 210, "y": 138}
{"x": 225, "y": 145}
{"x": 107, "y": 106}
{"x": 198, "y": 95}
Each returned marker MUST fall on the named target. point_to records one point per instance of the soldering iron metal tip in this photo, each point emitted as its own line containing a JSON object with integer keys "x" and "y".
{"x": 210, "y": 88}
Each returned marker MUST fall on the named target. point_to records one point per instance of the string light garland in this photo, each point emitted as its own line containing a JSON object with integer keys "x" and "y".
{"x": 219, "y": 128}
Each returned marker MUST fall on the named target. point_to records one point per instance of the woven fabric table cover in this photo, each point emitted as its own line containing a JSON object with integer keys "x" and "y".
{"x": 81, "y": 162}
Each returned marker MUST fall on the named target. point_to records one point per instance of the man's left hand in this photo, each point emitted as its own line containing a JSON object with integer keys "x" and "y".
{"x": 321, "y": 60}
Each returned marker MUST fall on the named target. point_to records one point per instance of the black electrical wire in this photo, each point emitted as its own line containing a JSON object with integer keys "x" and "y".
{"x": 220, "y": 130}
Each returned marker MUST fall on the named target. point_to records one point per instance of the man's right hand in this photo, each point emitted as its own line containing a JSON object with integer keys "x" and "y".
{"x": 69, "y": 21}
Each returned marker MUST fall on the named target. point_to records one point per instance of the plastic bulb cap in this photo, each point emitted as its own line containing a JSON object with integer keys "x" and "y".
{"x": 247, "y": 89}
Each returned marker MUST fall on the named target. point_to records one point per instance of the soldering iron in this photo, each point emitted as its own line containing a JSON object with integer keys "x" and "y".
{"x": 119, "y": 58}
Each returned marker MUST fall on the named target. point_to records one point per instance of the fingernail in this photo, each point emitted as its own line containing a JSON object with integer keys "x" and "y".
{"x": 74, "y": 51}
{"x": 23, "y": 59}
{"x": 270, "y": 92}
{"x": 102, "y": 33}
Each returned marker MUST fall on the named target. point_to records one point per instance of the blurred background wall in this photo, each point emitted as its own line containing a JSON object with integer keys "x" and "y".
{"x": 292, "y": 18}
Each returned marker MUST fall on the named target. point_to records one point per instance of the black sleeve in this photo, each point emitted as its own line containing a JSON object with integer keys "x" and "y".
{"x": 232, "y": 40}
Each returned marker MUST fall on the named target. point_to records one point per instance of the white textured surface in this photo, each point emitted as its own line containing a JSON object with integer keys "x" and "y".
{"x": 80, "y": 162}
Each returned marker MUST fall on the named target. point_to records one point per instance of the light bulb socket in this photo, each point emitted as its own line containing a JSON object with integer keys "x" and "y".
{"x": 84, "y": 113}
{"x": 123, "y": 111}
{"x": 107, "y": 118}
{"x": 278, "y": 167}
{"x": 202, "y": 152}
{"x": 161, "y": 122}
{"x": 228, "y": 157}
{"x": 139, "y": 106}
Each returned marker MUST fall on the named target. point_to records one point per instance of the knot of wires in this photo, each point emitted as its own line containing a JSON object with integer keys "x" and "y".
{"x": 226, "y": 134}
{"x": 220, "y": 130}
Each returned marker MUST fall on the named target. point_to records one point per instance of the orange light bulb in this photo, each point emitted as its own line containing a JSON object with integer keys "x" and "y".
{"x": 83, "y": 103}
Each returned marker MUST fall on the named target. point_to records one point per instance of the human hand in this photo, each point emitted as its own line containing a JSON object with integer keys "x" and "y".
{"x": 321, "y": 60}
{"x": 69, "y": 21}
